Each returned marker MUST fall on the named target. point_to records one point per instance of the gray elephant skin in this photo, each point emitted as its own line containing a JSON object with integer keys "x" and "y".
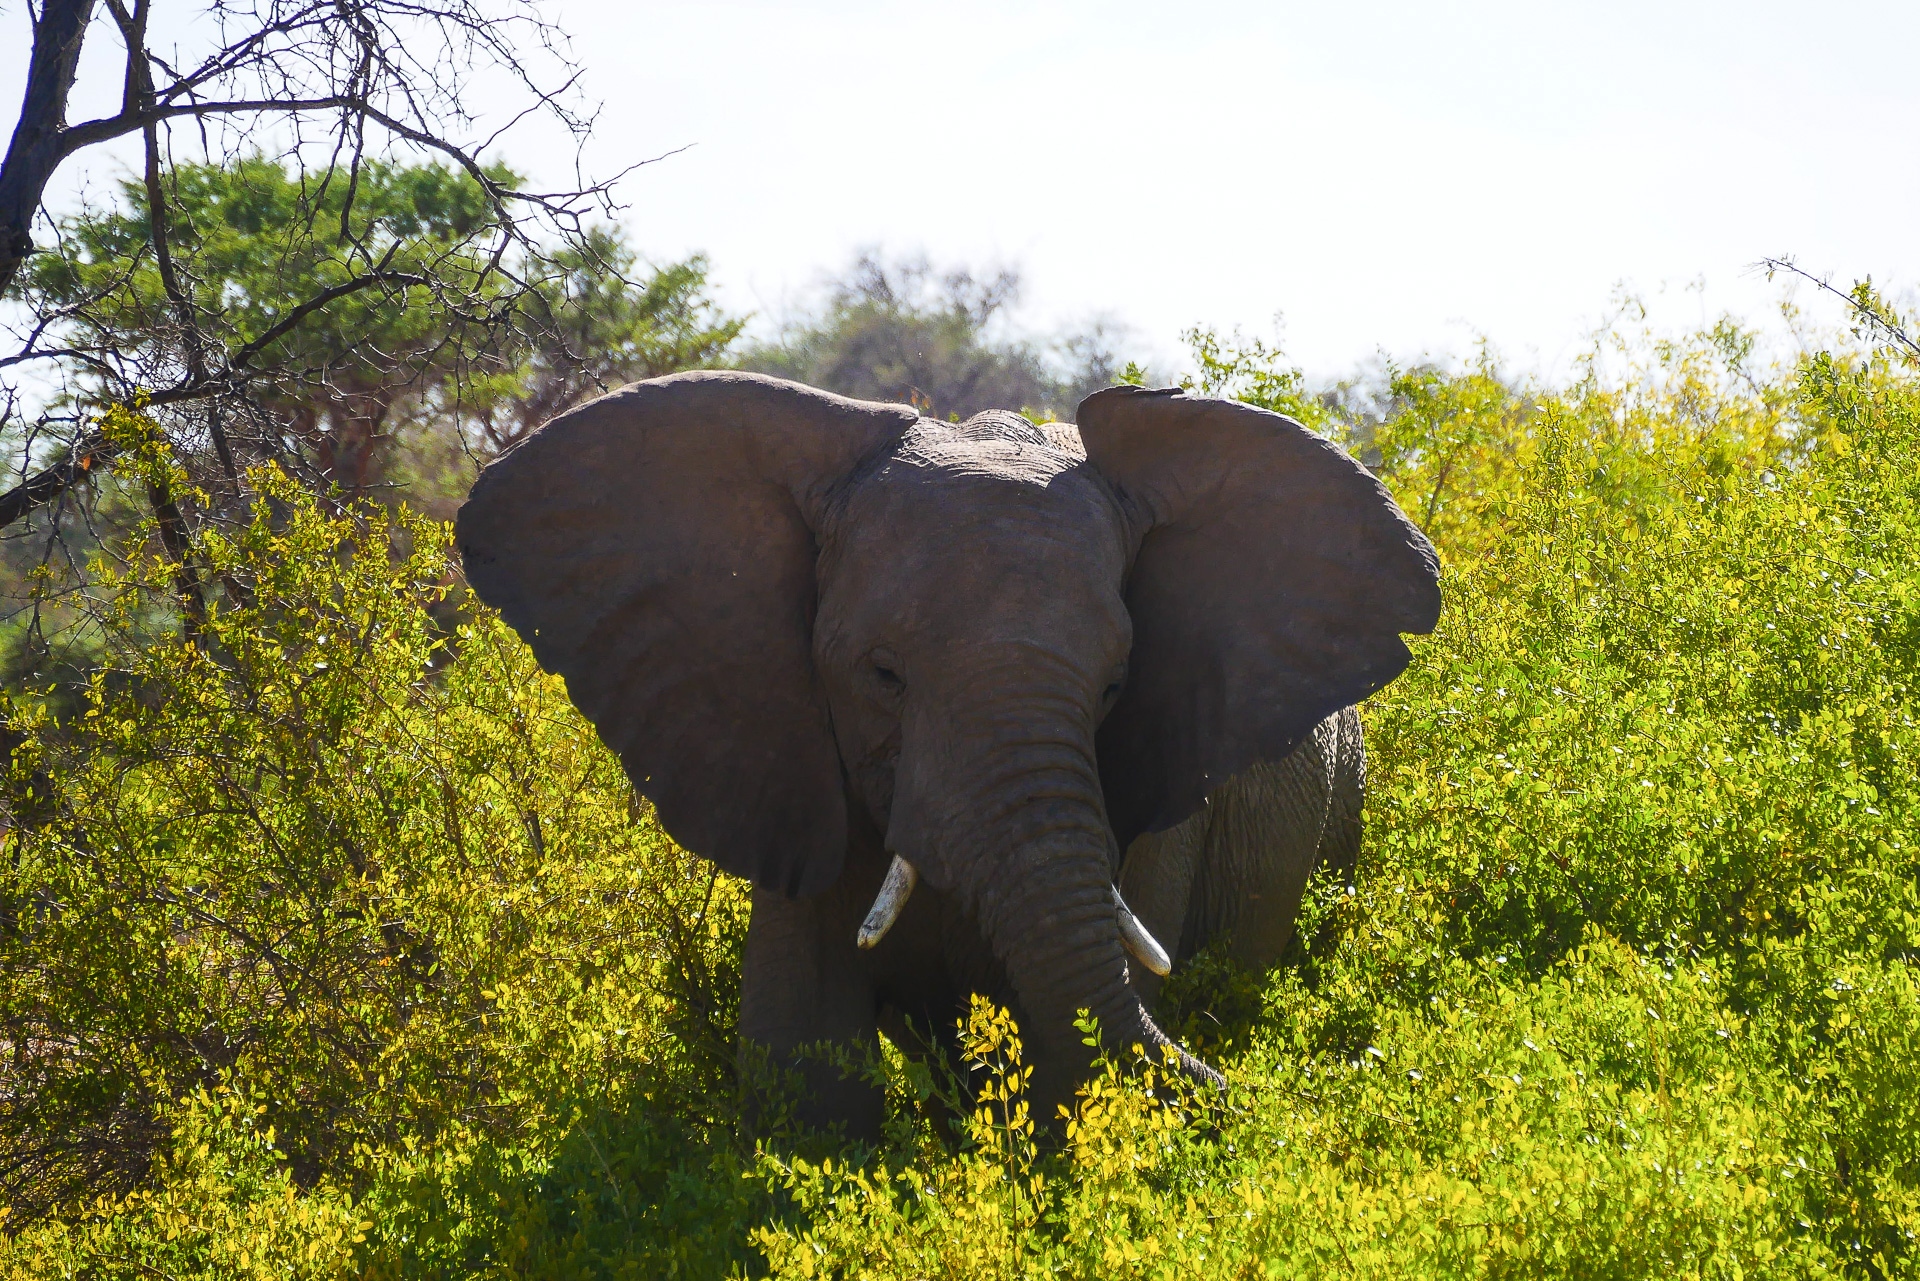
{"x": 847, "y": 651}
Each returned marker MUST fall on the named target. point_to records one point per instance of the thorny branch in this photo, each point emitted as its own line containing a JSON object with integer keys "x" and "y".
{"x": 93, "y": 451}
{"x": 1861, "y": 299}
{"x": 347, "y": 80}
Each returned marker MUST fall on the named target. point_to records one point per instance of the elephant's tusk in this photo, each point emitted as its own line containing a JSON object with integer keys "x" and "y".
{"x": 901, "y": 878}
{"x": 1145, "y": 948}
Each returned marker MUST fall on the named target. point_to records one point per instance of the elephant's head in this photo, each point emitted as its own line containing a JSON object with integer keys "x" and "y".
{"x": 1016, "y": 648}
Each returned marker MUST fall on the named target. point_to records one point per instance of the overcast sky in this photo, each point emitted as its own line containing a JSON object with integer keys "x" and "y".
{"x": 1396, "y": 176}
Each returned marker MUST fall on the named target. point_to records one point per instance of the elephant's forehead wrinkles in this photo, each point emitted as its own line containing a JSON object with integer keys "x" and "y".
{"x": 991, "y": 459}
{"x": 1011, "y": 544}
{"x": 994, "y": 476}
{"x": 948, "y": 510}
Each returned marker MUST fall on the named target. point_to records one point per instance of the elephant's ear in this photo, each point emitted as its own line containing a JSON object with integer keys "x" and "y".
{"x": 1272, "y": 580}
{"x": 656, "y": 548}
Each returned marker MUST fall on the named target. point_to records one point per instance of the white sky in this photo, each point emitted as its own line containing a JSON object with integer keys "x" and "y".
{"x": 1391, "y": 176}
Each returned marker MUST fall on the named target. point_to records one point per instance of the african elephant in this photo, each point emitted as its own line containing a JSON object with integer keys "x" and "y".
{"x": 847, "y": 650}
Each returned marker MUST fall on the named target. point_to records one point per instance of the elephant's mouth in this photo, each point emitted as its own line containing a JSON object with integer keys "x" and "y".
{"x": 901, "y": 878}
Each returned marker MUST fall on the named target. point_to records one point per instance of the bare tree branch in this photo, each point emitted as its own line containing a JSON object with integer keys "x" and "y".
{"x": 317, "y": 72}
{"x": 360, "y": 60}
{"x": 94, "y": 451}
{"x": 90, "y": 451}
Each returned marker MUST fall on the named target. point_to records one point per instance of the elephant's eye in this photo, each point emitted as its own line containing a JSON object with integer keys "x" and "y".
{"x": 1110, "y": 693}
{"x": 885, "y": 672}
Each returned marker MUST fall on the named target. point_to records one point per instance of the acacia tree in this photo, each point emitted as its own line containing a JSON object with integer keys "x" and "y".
{"x": 379, "y": 365}
{"x": 342, "y": 86}
{"x": 900, "y": 330}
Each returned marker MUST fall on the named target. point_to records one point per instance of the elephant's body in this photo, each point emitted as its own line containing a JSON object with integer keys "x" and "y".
{"x": 1235, "y": 872}
{"x": 845, "y": 649}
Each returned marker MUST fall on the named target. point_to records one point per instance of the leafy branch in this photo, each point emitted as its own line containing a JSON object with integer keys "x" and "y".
{"x": 1873, "y": 314}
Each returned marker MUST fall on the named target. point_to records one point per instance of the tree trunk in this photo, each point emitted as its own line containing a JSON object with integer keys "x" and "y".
{"x": 36, "y": 149}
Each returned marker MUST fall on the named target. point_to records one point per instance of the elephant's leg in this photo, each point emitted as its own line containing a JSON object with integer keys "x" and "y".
{"x": 1156, "y": 880}
{"x": 1266, "y": 837}
{"x": 1340, "y": 843}
{"x": 926, "y": 969}
{"x": 803, "y": 984}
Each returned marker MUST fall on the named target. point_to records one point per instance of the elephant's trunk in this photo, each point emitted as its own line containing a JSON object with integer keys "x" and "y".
{"x": 1031, "y": 855}
{"x": 1057, "y": 932}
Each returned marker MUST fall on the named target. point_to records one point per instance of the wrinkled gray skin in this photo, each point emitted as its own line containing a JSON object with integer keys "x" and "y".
{"x": 822, "y": 632}
{"x": 1234, "y": 873}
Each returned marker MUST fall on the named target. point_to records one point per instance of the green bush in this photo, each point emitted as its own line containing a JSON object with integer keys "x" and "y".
{"x": 378, "y": 880}
{"x": 334, "y": 944}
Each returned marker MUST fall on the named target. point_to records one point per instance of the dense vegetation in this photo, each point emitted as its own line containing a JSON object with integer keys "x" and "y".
{"x": 332, "y": 943}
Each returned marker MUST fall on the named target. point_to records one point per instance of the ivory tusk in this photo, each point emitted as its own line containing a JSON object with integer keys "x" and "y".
{"x": 901, "y": 878}
{"x": 1145, "y": 948}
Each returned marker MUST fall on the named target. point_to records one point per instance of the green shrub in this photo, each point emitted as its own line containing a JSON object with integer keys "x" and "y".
{"x": 379, "y": 880}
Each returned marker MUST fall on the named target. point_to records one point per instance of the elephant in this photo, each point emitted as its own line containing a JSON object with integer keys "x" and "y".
{"x": 922, "y": 683}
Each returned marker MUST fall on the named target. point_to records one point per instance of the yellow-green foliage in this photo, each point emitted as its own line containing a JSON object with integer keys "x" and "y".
{"x": 375, "y": 879}
{"x": 1624, "y": 987}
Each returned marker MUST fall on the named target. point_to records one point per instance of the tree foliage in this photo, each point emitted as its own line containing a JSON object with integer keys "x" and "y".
{"x": 901, "y": 331}
{"x": 462, "y": 358}
{"x": 263, "y": 238}
{"x": 342, "y": 86}
{"x": 604, "y": 323}
{"x": 324, "y": 855}
{"x": 400, "y": 393}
